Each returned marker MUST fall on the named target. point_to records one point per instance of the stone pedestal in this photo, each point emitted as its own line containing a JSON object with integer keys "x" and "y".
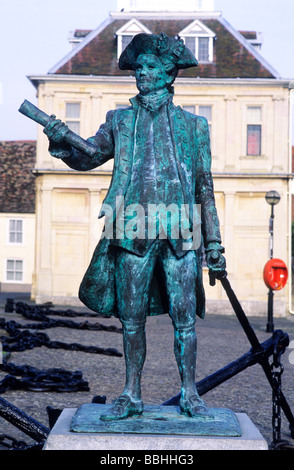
{"x": 162, "y": 431}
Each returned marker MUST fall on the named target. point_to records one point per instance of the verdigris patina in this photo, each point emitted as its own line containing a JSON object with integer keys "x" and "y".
{"x": 157, "y": 420}
{"x": 159, "y": 209}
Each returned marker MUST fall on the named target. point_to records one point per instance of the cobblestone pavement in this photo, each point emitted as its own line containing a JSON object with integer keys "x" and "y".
{"x": 221, "y": 340}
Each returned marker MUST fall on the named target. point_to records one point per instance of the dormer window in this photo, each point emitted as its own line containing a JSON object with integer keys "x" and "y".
{"x": 127, "y": 32}
{"x": 199, "y": 47}
{"x": 199, "y": 39}
{"x": 125, "y": 41}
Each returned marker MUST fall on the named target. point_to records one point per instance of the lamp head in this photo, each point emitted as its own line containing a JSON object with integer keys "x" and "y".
{"x": 272, "y": 197}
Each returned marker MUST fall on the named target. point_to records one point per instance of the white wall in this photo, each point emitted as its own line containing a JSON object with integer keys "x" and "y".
{"x": 24, "y": 251}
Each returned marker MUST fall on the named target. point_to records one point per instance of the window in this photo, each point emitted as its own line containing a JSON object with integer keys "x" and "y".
{"x": 201, "y": 110}
{"x": 126, "y": 33}
{"x": 15, "y": 230}
{"x": 206, "y": 112}
{"x": 254, "y": 126}
{"x": 190, "y": 109}
{"x": 253, "y": 139}
{"x": 199, "y": 39}
{"x": 191, "y": 44}
{"x": 121, "y": 106}
{"x": 203, "y": 256}
{"x": 72, "y": 116}
{"x": 203, "y": 49}
{"x": 125, "y": 41}
{"x": 14, "y": 270}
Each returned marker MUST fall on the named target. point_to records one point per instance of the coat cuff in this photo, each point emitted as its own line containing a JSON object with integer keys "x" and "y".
{"x": 214, "y": 246}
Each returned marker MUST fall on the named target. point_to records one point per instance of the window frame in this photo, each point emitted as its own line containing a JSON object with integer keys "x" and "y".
{"x": 14, "y": 281}
{"x": 122, "y": 106}
{"x": 126, "y": 35}
{"x": 131, "y": 28}
{"x": 257, "y": 123}
{"x": 198, "y": 30}
{"x": 74, "y": 120}
{"x": 259, "y": 142}
{"x": 196, "y": 53}
{"x": 9, "y": 232}
{"x": 120, "y": 43}
{"x": 197, "y": 112}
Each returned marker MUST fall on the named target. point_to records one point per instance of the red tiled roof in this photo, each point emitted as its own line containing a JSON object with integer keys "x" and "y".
{"x": 231, "y": 58}
{"x": 17, "y": 182}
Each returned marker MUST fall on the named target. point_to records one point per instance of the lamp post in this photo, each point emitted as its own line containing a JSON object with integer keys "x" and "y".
{"x": 272, "y": 198}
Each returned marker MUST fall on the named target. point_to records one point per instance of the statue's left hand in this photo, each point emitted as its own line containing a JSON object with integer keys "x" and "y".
{"x": 216, "y": 263}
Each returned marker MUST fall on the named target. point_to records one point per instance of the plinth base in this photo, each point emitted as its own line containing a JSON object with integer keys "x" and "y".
{"x": 157, "y": 420}
{"x": 244, "y": 434}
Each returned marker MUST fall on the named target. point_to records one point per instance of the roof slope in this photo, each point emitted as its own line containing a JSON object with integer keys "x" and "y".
{"x": 17, "y": 182}
{"x": 233, "y": 54}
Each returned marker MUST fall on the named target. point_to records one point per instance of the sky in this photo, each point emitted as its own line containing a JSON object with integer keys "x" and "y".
{"x": 34, "y": 37}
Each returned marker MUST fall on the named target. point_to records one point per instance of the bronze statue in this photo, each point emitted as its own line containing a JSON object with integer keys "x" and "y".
{"x": 150, "y": 261}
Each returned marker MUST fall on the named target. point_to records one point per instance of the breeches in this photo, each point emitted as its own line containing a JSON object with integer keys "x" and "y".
{"x": 177, "y": 276}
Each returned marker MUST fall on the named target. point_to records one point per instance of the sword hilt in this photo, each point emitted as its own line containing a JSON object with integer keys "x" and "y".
{"x": 214, "y": 259}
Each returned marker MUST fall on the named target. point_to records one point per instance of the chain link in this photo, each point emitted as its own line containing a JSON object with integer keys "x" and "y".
{"x": 276, "y": 398}
{"x": 277, "y": 370}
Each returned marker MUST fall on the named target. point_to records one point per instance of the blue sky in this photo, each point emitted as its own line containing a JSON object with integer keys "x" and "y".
{"x": 34, "y": 37}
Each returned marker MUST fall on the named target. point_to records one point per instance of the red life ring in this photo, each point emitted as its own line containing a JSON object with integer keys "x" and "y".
{"x": 275, "y": 274}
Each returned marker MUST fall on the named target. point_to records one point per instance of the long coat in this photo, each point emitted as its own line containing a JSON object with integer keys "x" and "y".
{"x": 115, "y": 139}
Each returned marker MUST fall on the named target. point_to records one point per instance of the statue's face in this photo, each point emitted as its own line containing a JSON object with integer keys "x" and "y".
{"x": 150, "y": 74}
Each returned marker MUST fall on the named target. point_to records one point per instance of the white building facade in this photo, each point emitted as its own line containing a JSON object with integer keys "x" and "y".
{"x": 248, "y": 107}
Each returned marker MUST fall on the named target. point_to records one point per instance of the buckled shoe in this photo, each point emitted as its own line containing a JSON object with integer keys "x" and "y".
{"x": 123, "y": 407}
{"x": 195, "y": 407}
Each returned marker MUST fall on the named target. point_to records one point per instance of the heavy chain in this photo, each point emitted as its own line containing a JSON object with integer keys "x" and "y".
{"x": 277, "y": 370}
{"x": 11, "y": 443}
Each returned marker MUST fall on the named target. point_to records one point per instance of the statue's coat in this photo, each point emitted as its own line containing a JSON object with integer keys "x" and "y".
{"x": 115, "y": 139}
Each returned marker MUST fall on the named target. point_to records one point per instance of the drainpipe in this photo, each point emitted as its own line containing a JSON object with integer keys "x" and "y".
{"x": 290, "y": 189}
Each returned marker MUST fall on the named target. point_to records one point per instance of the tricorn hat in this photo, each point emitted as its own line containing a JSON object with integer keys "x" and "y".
{"x": 170, "y": 51}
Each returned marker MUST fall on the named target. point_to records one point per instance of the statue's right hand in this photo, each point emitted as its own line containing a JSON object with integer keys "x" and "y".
{"x": 55, "y": 130}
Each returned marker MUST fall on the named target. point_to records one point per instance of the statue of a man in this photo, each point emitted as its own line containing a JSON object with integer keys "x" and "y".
{"x": 161, "y": 159}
